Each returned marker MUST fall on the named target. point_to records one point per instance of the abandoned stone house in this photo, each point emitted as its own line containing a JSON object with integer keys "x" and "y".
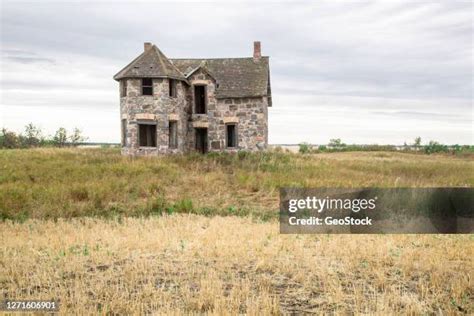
{"x": 182, "y": 105}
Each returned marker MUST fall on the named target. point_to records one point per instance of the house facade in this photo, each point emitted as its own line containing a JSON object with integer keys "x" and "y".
{"x": 184, "y": 105}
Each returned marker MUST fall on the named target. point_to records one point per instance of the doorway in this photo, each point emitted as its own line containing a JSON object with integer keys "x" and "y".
{"x": 201, "y": 140}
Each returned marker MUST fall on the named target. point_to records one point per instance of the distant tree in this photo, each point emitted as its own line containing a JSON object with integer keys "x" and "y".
{"x": 322, "y": 148}
{"x": 417, "y": 143}
{"x": 336, "y": 142}
{"x": 77, "y": 137}
{"x": 32, "y": 137}
{"x": 9, "y": 139}
{"x": 60, "y": 137}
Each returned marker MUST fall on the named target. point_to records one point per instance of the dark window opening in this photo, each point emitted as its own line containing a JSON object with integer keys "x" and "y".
{"x": 147, "y": 86}
{"x": 123, "y": 88}
{"x": 147, "y": 135}
{"x": 173, "y": 134}
{"x": 172, "y": 88}
{"x": 231, "y": 136}
{"x": 200, "y": 99}
{"x": 201, "y": 140}
{"x": 124, "y": 133}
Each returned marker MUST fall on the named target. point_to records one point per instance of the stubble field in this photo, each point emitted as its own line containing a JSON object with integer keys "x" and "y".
{"x": 198, "y": 234}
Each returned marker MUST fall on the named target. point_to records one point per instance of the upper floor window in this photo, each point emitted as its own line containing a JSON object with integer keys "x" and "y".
{"x": 200, "y": 99}
{"x": 123, "y": 88}
{"x": 172, "y": 88}
{"x": 147, "y": 86}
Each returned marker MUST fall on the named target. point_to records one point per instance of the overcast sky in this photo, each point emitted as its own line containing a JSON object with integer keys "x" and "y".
{"x": 366, "y": 72}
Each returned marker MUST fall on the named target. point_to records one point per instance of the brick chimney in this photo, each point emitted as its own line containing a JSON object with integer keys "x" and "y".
{"x": 147, "y": 46}
{"x": 257, "y": 52}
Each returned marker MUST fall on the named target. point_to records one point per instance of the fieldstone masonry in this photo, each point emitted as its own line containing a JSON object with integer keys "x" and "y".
{"x": 237, "y": 92}
{"x": 157, "y": 109}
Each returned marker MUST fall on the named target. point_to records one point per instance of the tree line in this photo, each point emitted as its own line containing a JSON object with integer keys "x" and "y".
{"x": 33, "y": 136}
{"x": 336, "y": 145}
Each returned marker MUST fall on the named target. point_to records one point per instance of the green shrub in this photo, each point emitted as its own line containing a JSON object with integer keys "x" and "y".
{"x": 304, "y": 148}
{"x": 242, "y": 154}
{"x": 158, "y": 206}
{"x": 435, "y": 147}
{"x": 184, "y": 206}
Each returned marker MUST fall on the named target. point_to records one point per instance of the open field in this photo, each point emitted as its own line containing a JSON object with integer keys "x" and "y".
{"x": 159, "y": 241}
{"x": 220, "y": 265}
{"x": 51, "y": 183}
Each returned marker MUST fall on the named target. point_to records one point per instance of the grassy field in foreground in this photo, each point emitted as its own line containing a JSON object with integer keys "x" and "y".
{"x": 52, "y": 183}
{"x": 192, "y": 260}
{"x": 184, "y": 264}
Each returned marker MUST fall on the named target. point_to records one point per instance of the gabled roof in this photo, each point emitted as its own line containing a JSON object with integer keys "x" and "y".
{"x": 202, "y": 67}
{"x": 152, "y": 63}
{"x": 236, "y": 77}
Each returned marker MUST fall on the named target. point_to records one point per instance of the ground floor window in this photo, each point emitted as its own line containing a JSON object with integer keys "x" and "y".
{"x": 147, "y": 135}
{"x": 231, "y": 130}
{"x": 173, "y": 134}
{"x": 124, "y": 132}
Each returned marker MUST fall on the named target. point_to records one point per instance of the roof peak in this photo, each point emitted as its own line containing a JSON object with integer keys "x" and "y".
{"x": 152, "y": 63}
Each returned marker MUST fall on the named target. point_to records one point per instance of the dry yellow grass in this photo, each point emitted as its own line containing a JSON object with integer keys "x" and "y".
{"x": 183, "y": 264}
{"x": 193, "y": 264}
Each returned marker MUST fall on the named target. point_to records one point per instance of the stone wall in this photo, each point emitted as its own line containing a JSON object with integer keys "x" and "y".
{"x": 251, "y": 117}
{"x": 248, "y": 114}
{"x": 202, "y": 120}
{"x": 160, "y": 109}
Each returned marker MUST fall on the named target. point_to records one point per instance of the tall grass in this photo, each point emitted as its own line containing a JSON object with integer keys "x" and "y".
{"x": 53, "y": 183}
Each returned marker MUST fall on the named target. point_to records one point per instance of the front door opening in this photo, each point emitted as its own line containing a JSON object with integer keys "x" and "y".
{"x": 147, "y": 135}
{"x": 200, "y": 99}
{"x": 231, "y": 136}
{"x": 201, "y": 140}
{"x": 173, "y": 134}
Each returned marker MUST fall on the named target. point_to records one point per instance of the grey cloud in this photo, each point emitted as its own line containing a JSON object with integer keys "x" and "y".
{"x": 28, "y": 60}
{"x": 371, "y": 50}
{"x": 23, "y": 57}
{"x": 17, "y": 52}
